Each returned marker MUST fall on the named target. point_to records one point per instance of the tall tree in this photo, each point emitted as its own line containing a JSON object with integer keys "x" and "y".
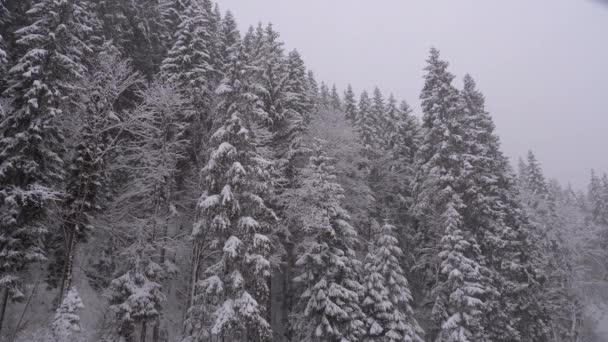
{"x": 39, "y": 88}
{"x": 507, "y": 240}
{"x": 235, "y": 218}
{"x": 438, "y": 165}
{"x": 329, "y": 308}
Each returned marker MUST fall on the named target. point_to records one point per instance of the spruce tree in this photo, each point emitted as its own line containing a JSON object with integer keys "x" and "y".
{"x": 387, "y": 297}
{"x": 534, "y": 179}
{"x": 189, "y": 64}
{"x": 336, "y": 102}
{"x": 350, "y": 104}
{"x": 31, "y": 136}
{"x": 235, "y": 218}
{"x": 366, "y": 125}
{"x": 438, "y": 164}
{"x": 459, "y": 304}
{"x": 67, "y": 321}
{"x": 313, "y": 92}
{"x": 329, "y": 308}
{"x": 494, "y": 214}
{"x": 324, "y": 95}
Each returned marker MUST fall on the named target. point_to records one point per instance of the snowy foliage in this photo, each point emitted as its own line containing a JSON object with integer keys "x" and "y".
{"x": 67, "y": 321}
{"x": 329, "y": 272}
{"x": 387, "y": 297}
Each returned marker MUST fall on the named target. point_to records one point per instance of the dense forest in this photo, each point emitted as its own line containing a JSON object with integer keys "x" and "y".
{"x": 166, "y": 177}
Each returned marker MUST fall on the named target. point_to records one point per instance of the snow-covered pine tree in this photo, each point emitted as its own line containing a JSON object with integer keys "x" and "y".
{"x": 39, "y": 87}
{"x": 387, "y": 297}
{"x": 389, "y": 123}
{"x": 189, "y": 64}
{"x": 366, "y": 125}
{"x": 350, "y": 104}
{"x": 67, "y": 321}
{"x": 494, "y": 214}
{"x": 597, "y": 195}
{"x": 136, "y": 296}
{"x": 229, "y": 39}
{"x": 336, "y": 102}
{"x": 379, "y": 117}
{"x": 235, "y": 220}
{"x": 297, "y": 86}
{"x": 534, "y": 179}
{"x": 324, "y": 95}
{"x": 459, "y": 302}
{"x": 329, "y": 308}
{"x": 438, "y": 166}
{"x": 313, "y": 92}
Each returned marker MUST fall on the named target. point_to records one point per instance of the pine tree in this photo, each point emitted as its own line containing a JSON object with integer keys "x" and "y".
{"x": 507, "y": 240}
{"x": 329, "y": 307}
{"x": 272, "y": 77}
{"x": 387, "y": 299}
{"x": 136, "y": 296}
{"x": 235, "y": 218}
{"x": 379, "y": 116}
{"x": 534, "y": 179}
{"x": 336, "y": 102}
{"x": 350, "y": 104}
{"x": 324, "y": 95}
{"x": 39, "y": 89}
{"x": 366, "y": 125}
{"x": 459, "y": 304}
{"x": 297, "y": 86}
{"x": 189, "y": 64}
{"x": 229, "y": 38}
{"x": 438, "y": 164}
{"x": 67, "y": 321}
{"x": 313, "y": 92}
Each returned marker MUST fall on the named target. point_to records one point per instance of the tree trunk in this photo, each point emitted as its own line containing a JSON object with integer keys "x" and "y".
{"x": 3, "y": 307}
{"x": 66, "y": 277}
{"x": 156, "y": 331}
{"x": 142, "y": 338}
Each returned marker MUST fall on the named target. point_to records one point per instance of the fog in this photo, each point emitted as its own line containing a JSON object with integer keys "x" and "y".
{"x": 541, "y": 64}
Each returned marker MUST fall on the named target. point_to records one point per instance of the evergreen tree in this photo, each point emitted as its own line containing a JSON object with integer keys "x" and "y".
{"x": 494, "y": 214}
{"x": 379, "y": 117}
{"x": 234, "y": 216}
{"x": 438, "y": 165}
{"x": 534, "y": 179}
{"x": 387, "y": 298}
{"x": 458, "y": 307}
{"x": 136, "y": 296}
{"x": 313, "y": 92}
{"x": 336, "y": 102}
{"x": 366, "y": 125}
{"x": 67, "y": 321}
{"x": 329, "y": 307}
{"x": 324, "y": 95}
{"x": 350, "y": 104}
{"x": 31, "y": 135}
{"x": 296, "y": 85}
{"x": 189, "y": 63}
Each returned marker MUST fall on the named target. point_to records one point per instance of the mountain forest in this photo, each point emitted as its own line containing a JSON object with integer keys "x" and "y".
{"x": 166, "y": 177}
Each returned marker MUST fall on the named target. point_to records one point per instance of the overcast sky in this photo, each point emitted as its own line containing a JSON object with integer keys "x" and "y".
{"x": 541, "y": 64}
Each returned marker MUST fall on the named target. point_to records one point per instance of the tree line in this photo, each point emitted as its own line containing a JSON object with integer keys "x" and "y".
{"x": 155, "y": 152}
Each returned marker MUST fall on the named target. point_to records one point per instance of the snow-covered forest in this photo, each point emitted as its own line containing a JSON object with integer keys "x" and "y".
{"x": 166, "y": 177}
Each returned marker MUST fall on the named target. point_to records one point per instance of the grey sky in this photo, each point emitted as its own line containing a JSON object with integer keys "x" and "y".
{"x": 541, "y": 64}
